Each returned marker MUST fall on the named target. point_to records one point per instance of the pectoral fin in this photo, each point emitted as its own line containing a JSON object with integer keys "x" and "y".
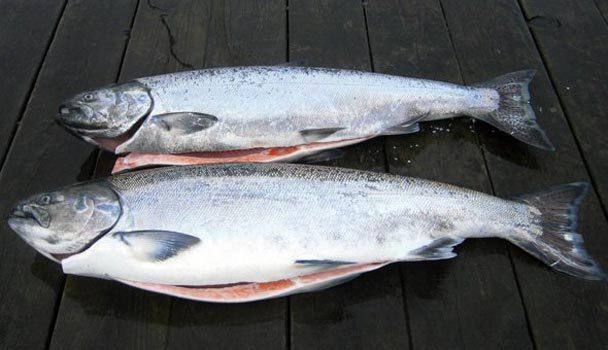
{"x": 156, "y": 245}
{"x": 245, "y": 292}
{"x": 184, "y": 122}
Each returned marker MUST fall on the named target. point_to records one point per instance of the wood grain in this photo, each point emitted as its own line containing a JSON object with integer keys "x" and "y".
{"x": 367, "y": 312}
{"x": 471, "y": 300}
{"x": 562, "y": 311}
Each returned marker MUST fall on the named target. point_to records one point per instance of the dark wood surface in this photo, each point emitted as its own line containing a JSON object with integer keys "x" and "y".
{"x": 491, "y": 296}
{"x": 411, "y": 38}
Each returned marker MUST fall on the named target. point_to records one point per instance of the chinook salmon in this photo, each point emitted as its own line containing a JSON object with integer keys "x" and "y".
{"x": 281, "y": 113}
{"x": 244, "y": 232}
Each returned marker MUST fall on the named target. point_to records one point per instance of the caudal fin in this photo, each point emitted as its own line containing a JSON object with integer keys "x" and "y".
{"x": 514, "y": 114}
{"x": 559, "y": 245}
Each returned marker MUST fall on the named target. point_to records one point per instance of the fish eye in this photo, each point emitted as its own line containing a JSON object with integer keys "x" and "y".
{"x": 88, "y": 97}
{"x": 44, "y": 199}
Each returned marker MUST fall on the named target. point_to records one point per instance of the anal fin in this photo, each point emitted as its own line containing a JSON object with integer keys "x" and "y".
{"x": 400, "y": 129}
{"x": 245, "y": 292}
{"x": 439, "y": 249}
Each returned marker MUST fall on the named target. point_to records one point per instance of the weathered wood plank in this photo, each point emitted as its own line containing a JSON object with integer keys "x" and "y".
{"x": 367, "y": 312}
{"x": 169, "y": 36}
{"x": 493, "y": 39}
{"x": 234, "y": 33}
{"x": 471, "y": 301}
{"x": 26, "y": 30}
{"x": 86, "y": 51}
{"x": 572, "y": 37}
{"x": 602, "y": 6}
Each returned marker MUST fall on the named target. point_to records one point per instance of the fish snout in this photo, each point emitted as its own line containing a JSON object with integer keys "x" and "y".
{"x": 71, "y": 115}
{"x": 80, "y": 119}
{"x": 31, "y": 211}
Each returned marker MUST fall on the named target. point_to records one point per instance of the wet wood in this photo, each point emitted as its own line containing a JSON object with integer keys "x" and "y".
{"x": 571, "y": 37}
{"x": 367, "y": 312}
{"x": 26, "y": 30}
{"x": 160, "y": 30}
{"x": 562, "y": 311}
{"x": 491, "y": 295}
{"x": 471, "y": 300}
{"x": 86, "y": 51}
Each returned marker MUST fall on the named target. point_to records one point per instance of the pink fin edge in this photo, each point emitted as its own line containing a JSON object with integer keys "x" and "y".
{"x": 258, "y": 155}
{"x": 246, "y": 292}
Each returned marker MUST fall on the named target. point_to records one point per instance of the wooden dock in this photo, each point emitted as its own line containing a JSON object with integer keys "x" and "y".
{"x": 491, "y": 296}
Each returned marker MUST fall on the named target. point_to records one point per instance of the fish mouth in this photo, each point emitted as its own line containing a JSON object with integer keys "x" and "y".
{"x": 77, "y": 116}
{"x": 33, "y": 213}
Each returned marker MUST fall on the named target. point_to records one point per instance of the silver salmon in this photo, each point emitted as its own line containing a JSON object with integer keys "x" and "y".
{"x": 244, "y": 232}
{"x": 281, "y": 113}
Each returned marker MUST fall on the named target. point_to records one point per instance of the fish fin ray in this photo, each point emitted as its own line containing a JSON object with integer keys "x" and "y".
{"x": 401, "y": 129}
{"x": 183, "y": 123}
{"x": 156, "y": 245}
{"x": 411, "y": 126}
{"x": 439, "y": 249}
{"x": 315, "y": 135}
{"x": 514, "y": 114}
{"x": 323, "y": 262}
{"x": 559, "y": 245}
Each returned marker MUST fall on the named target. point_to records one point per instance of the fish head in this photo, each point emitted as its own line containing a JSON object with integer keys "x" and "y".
{"x": 64, "y": 222}
{"x": 106, "y": 113}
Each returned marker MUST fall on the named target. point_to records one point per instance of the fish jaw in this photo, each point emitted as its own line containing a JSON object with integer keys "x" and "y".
{"x": 248, "y": 292}
{"x": 256, "y": 155}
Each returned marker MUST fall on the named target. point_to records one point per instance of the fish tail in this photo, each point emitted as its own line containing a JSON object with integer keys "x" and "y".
{"x": 514, "y": 115}
{"x": 558, "y": 244}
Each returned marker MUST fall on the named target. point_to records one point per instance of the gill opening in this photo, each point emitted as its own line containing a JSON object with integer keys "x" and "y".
{"x": 60, "y": 257}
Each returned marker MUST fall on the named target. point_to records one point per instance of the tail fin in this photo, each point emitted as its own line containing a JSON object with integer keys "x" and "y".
{"x": 559, "y": 245}
{"x": 514, "y": 114}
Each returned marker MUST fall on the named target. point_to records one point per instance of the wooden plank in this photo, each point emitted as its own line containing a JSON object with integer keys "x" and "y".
{"x": 234, "y": 33}
{"x": 574, "y": 35}
{"x": 26, "y": 30}
{"x": 86, "y": 51}
{"x": 493, "y": 39}
{"x": 471, "y": 301}
{"x": 367, "y": 312}
{"x": 169, "y": 36}
{"x": 602, "y": 6}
